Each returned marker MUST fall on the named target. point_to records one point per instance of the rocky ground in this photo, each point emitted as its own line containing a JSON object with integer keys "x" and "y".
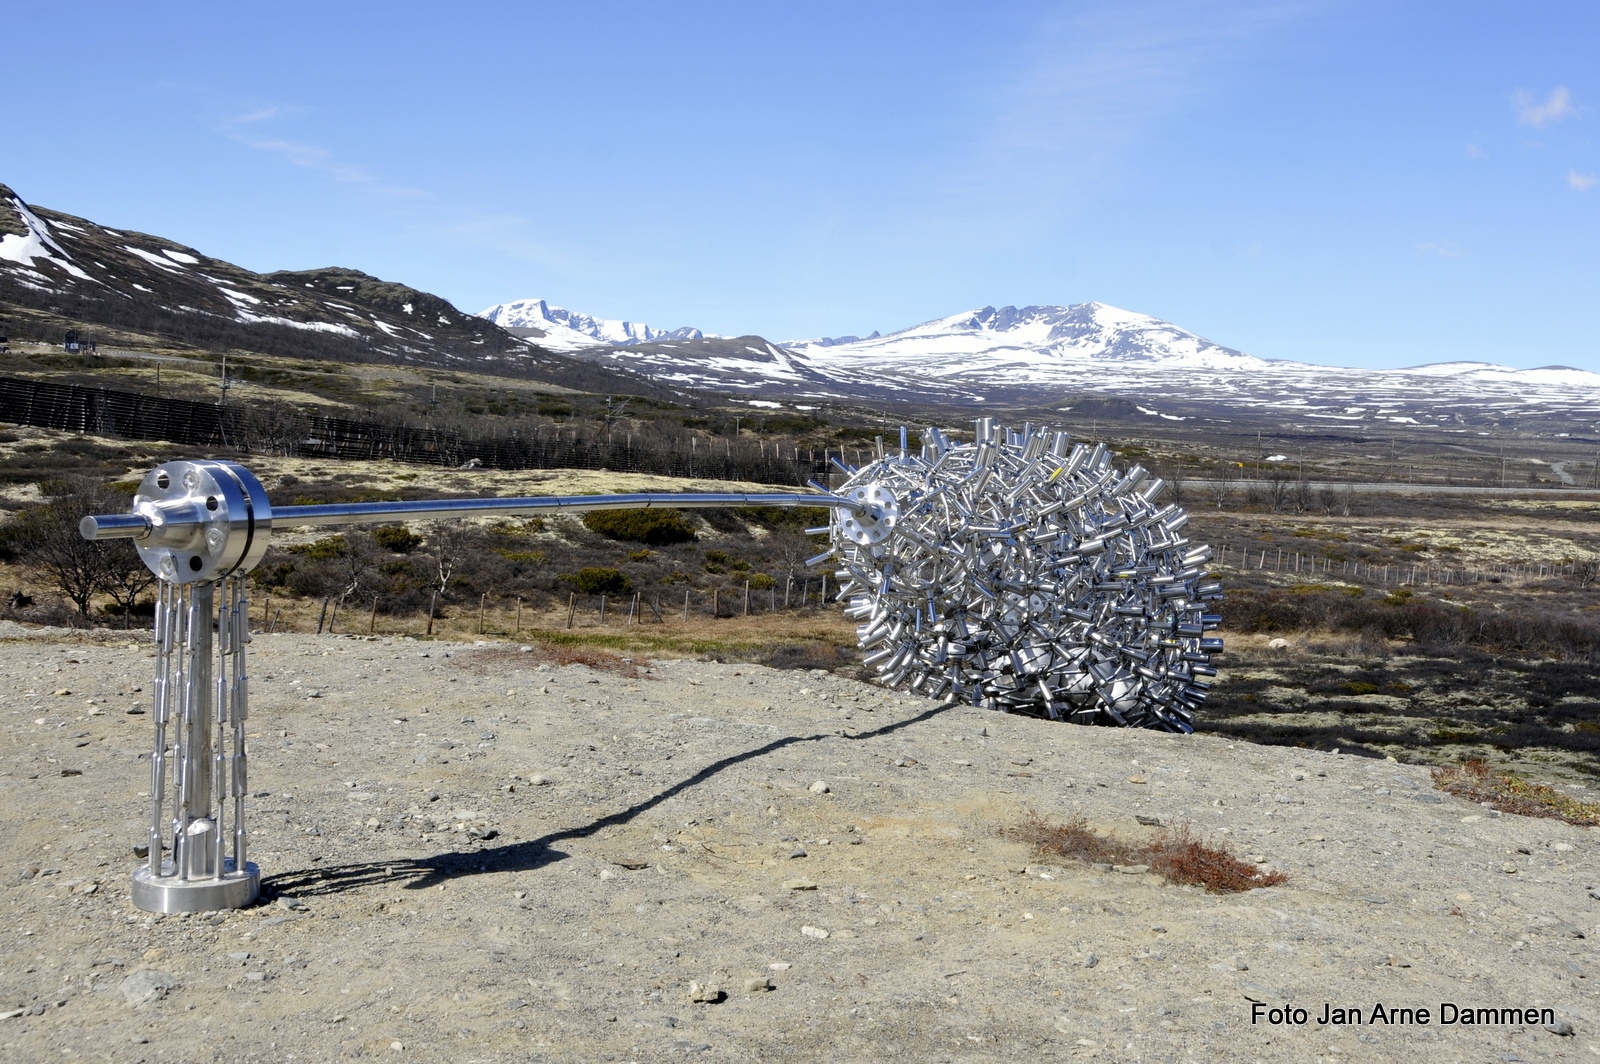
{"x": 472, "y": 854}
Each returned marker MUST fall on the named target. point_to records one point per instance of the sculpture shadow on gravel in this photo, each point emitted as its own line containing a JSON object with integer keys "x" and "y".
{"x": 420, "y": 874}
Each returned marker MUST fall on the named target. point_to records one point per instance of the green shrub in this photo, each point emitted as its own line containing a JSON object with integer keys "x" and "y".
{"x": 323, "y": 549}
{"x": 761, "y": 581}
{"x": 599, "y": 581}
{"x": 655, "y": 528}
{"x": 396, "y": 539}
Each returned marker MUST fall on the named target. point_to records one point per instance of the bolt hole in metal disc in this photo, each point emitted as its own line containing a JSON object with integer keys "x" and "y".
{"x": 1028, "y": 574}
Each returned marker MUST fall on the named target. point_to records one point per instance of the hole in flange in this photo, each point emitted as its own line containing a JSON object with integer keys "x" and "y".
{"x": 195, "y": 564}
{"x": 163, "y": 481}
{"x": 211, "y": 502}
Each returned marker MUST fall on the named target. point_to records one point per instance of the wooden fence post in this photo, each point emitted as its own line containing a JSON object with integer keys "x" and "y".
{"x": 747, "y": 598}
{"x": 432, "y": 605}
{"x": 572, "y": 606}
{"x": 483, "y": 601}
{"x": 519, "y": 615}
{"x": 372, "y": 625}
{"x": 602, "y": 609}
{"x": 685, "y": 606}
{"x": 323, "y": 616}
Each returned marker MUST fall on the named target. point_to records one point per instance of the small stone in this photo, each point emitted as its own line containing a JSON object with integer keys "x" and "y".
{"x": 1240, "y": 964}
{"x": 537, "y": 780}
{"x": 1131, "y": 869}
{"x": 780, "y": 966}
{"x": 1137, "y": 779}
{"x": 1508, "y": 868}
{"x": 1148, "y": 821}
{"x": 398, "y": 1047}
{"x": 62, "y": 691}
{"x": 242, "y": 955}
{"x": 12, "y": 1014}
{"x": 799, "y": 884}
{"x": 255, "y": 977}
{"x": 1560, "y": 1027}
{"x": 813, "y": 932}
{"x": 134, "y": 710}
{"x": 1090, "y": 961}
{"x": 799, "y": 851}
{"x": 819, "y": 787}
{"x": 1278, "y": 644}
{"x": 606, "y": 873}
{"x": 705, "y": 993}
{"x": 145, "y": 986}
{"x": 1101, "y": 866}
{"x": 758, "y": 984}
{"x": 141, "y": 849}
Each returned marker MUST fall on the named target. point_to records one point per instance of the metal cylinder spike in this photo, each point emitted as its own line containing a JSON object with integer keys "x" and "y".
{"x": 1014, "y": 574}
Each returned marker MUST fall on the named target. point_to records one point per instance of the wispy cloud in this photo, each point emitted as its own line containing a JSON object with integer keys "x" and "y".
{"x": 1444, "y": 249}
{"x": 1475, "y": 152}
{"x": 1094, "y": 81}
{"x": 1556, "y": 106}
{"x": 242, "y": 128}
{"x": 1580, "y": 182}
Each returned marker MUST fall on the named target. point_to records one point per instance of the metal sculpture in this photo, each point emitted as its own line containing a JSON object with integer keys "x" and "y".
{"x": 1019, "y": 572}
{"x": 1025, "y": 573}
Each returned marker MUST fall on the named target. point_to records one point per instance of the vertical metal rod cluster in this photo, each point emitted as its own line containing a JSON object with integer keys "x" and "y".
{"x": 1026, "y": 573}
{"x": 201, "y": 703}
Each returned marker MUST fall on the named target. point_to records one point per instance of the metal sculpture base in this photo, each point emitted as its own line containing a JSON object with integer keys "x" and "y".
{"x": 169, "y": 894}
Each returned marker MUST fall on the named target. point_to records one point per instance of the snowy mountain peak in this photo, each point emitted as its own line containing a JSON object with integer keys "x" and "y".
{"x": 995, "y": 337}
{"x": 558, "y": 329}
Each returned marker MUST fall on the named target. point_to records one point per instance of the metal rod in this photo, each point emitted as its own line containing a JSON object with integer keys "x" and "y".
{"x": 168, "y": 604}
{"x": 141, "y": 526}
{"x": 238, "y": 713}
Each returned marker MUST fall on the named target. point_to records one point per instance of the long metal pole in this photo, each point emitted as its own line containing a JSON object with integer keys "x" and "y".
{"x": 439, "y": 509}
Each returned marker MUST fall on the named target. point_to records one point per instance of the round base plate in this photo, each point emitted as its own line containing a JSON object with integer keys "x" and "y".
{"x": 169, "y": 894}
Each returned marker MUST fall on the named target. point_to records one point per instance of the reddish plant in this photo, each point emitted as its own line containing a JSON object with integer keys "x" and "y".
{"x": 1177, "y": 854}
{"x": 1477, "y": 782}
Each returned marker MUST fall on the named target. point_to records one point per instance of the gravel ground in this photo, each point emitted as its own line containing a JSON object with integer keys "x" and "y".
{"x": 470, "y": 857}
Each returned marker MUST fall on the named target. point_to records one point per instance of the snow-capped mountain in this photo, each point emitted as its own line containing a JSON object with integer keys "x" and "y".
{"x": 1047, "y": 355}
{"x": 564, "y": 330}
{"x": 1035, "y": 341}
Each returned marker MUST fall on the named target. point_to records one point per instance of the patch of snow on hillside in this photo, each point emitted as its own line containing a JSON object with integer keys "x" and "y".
{"x": 153, "y": 259}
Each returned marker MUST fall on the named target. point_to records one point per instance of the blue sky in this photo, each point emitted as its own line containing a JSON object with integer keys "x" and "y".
{"x": 1369, "y": 184}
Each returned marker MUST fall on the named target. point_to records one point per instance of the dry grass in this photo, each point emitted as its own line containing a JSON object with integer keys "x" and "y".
{"x": 1176, "y": 854}
{"x": 557, "y": 654}
{"x": 1477, "y": 782}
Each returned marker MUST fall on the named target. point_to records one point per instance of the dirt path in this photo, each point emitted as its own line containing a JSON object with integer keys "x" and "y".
{"x": 472, "y": 858}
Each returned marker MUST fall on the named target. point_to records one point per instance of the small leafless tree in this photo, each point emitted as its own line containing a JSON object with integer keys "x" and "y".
{"x": 46, "y": 538}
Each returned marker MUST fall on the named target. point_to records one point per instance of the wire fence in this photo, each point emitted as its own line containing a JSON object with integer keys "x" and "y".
{"x": 248, "y": 428}
{"x": 1251, "y": 559}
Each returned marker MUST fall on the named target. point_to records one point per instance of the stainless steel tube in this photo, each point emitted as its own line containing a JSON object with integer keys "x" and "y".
{"x": 440, "y": 509}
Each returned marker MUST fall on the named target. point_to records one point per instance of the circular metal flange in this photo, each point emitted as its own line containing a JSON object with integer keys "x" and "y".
{"x": 873, "y": 525}
{"x": 206, "y": 520}
{"x": 169, "y": 894}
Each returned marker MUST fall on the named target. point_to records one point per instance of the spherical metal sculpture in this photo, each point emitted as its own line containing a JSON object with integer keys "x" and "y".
{"x": 1025, "y": 573}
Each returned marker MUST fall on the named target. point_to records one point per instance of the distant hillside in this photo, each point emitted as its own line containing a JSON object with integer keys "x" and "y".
{"x": 122, "y": 288}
